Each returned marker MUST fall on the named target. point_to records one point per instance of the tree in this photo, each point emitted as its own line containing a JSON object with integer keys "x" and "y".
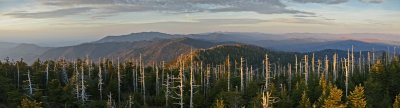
{"x": 376, "y": 87}
{"x": 305, "y": 101}
{"x": 26, "y": 103}
{"x": 356, "y": 99}
{"x": 219, "y": 103}
{"x": 334, "y": 99}
{"x": 396, "y": 103}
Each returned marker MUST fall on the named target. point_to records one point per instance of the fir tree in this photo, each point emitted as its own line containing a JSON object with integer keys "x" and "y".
{"x": 396, "y": 103}
{"x": 334, "y": 99}
{"x": 219, "y": 103}
{"x": 305, "y": 101}
{"x": 356, "y": 99}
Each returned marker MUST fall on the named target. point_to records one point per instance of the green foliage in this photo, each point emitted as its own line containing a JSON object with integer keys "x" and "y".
{"x": 26, "y": 103}
{"x": 396, "y": 103}
{"x": 219, "y": 103}
{"x": 305, "y": 101}
{"x": 356, "y": 99}
{"x": 382, "y": 84}
{"x": 334, "y": 99}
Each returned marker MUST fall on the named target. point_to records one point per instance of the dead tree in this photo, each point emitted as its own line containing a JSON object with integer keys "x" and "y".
{"x": 192, "y": 85}
{"x": 334, "y": 67}
{"x": 47, "y": 74}
{"x": 119, "y": 81}
{"x": 84, "y": 97}
{"x": 157, "y": 80}
{"x": 229, "y": 73}
{"x": 346, "y": 67}
{"x": 267, "y": 71}
{"x": 326, "y": 68}
{"x": 143, "y": 81}
{"x": 100, "y": 82}
{"x": 306, "y": 69}
{"x": 30, "y": 86}
{"x": 241, "y": 75}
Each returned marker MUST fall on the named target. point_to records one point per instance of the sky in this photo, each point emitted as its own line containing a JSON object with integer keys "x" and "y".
{"x": 65, "y": 21}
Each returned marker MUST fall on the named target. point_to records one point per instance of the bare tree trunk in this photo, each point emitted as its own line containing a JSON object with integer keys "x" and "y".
{"x": 313, "y": 64}
{"x": 326, "y": 68}
{"x": 100, "y": 82}
{"x": 119, "y": 82}
{"x": 157, "y": 81}
{"x": 83, "y": 87}
{"x": 191, "y": 80}
{"x": 267, "y": 72}
{"x": 369, "y": 62}
{"x": 334, "y": 67}
{"x": 47, "y": 75}
{"x": 229, "y": 73}
{"x": 241, "y": 75}
{"x": 319, "y": 68}
{"x": 167, "y": 92}
{"x": 306, "y": 69}
{"x": 296, "y": 65}
{"x": 30, "y": 92}
{"x": 352, "y": 60}
{"x": 346, "y": 75}
{"x": 181, "y": 85}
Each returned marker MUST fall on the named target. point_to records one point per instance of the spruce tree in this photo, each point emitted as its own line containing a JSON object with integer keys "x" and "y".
{"x": 305, "y": 101}
{"x": 396, "y": 103}
{"x": 356, "y": 99}
{"x": 334, "y": 99}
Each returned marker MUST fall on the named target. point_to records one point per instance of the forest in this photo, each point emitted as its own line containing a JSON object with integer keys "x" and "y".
{"x": 306, "y": 81}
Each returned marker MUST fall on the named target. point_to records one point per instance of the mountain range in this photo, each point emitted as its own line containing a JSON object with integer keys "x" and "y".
{"x": 156, "y": 46}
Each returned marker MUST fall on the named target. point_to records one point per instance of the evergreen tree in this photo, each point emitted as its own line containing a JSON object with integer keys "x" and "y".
{"x": 376, "y": 87}
{"x": 26, "y": 103}
{"x": 219, "y": 103}
{"x": 305, "y": 101}
{"x": 396, "y": 103}
{"x": 356, "y": 99}
{"x": 334, "y": 99}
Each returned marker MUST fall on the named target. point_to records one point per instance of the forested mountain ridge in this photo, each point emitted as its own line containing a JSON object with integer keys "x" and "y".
{"x": 253, "y": 54}
{"x": 231, "y": 81}
{"x": 132, "y": 45}
{"x": 154, "y": 50}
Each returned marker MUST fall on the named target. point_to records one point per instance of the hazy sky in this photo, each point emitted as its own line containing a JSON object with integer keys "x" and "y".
{"x": 83, "y": 20}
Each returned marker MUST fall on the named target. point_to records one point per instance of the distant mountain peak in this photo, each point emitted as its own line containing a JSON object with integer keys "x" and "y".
{"x": 133, "y": 37}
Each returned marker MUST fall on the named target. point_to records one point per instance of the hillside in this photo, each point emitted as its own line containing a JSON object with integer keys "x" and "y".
{"x": 134, "y": 37}
{"x": 156, "y": 50}
{"x": 252, "y": 54}
{"x": 29, "y": 52}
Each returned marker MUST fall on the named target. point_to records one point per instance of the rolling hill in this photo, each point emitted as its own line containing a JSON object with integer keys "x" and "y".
{"x": 155, "y": 50}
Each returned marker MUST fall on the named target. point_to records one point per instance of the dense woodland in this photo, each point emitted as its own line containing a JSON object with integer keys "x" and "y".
{"x": 298, "y": 80}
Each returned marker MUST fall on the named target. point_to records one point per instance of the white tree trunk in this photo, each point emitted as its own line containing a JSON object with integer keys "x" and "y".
{"x": 100, "y": 82}
{"x": 119, "y": 81}
{"x": 30, "y": 92}
{"x": 267, "y": 71}
{"x": 241, "y": 75}
{"x": 229, "y": 73}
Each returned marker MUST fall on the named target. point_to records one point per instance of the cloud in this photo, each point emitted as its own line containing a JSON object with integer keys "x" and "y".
{"x": 335, "y": 1}
{"x": 50, "y": 14}
{"x": 372, "y": 1}
{"x": 230, "y": 21}
{"x": 301, "y": 21}
{"x": 304, "y": 16}
{"x": 322, "y": 1}
{"x": 106, "y": 7}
